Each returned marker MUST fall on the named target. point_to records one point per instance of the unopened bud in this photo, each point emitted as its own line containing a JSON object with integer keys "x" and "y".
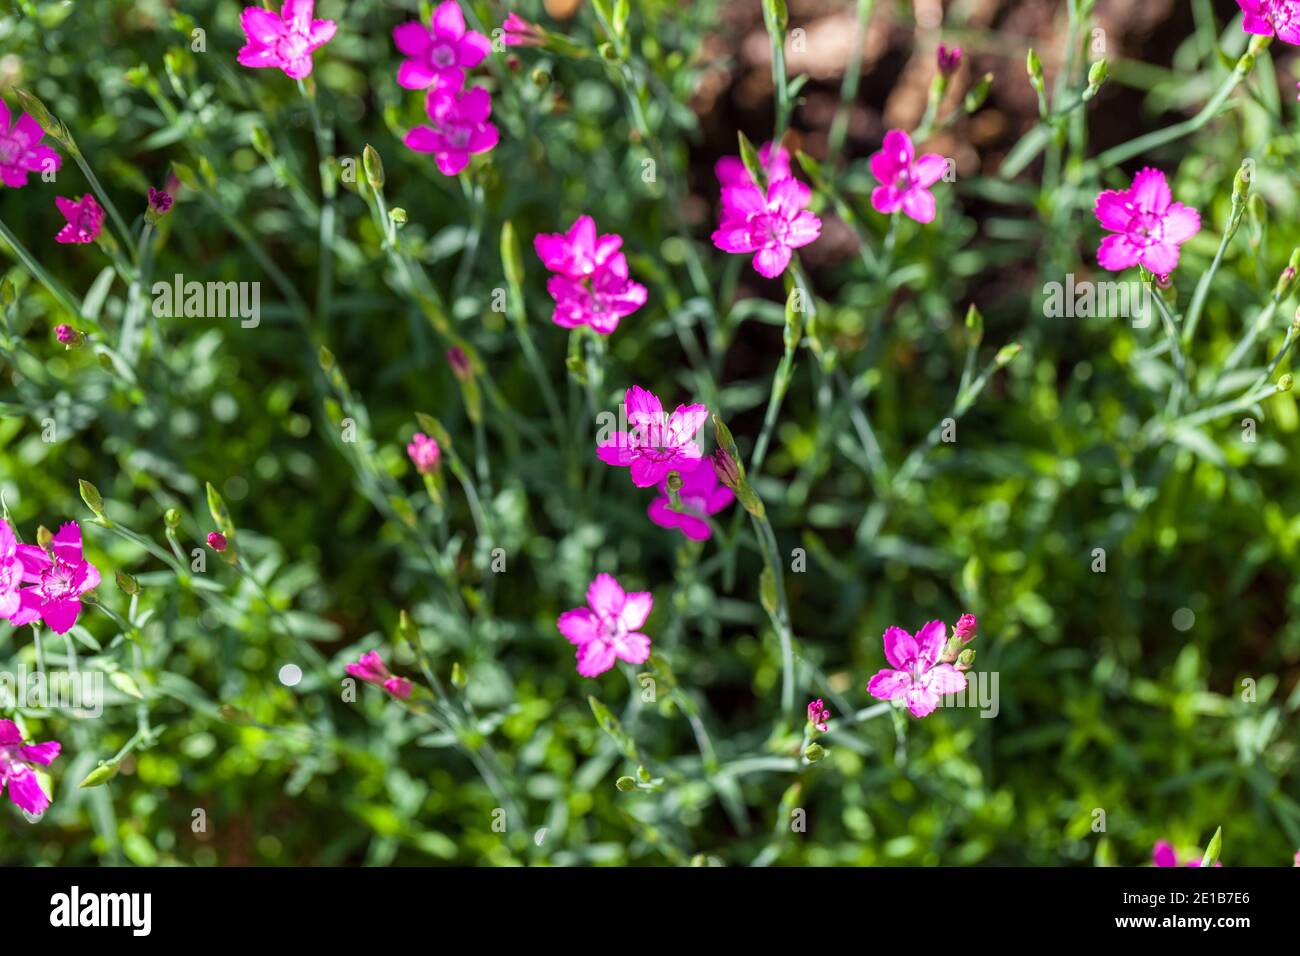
{"x": 974, "y": 325}
{"x": 978, "y": 94}
{"x": 1007, "y": 353}
{"x": 217, "y": 541}
{"x": 1034, "y": 67}
{"x": 374, "y": 167}
{"x": 127, "y": 584}
{"x": 966, "y": 659}
{"x": 814, "y": 752}
{"x": 90, "y": 495}
{"x": 625, "y": 784}
{"x": 68, "y": 335}
{"x": 172, "y": 518}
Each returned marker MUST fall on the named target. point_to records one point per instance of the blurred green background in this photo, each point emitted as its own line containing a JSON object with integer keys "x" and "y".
{"x": 1119, "y": 691}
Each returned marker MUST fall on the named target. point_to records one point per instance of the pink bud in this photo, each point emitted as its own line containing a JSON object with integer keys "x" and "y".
{"x": 425, "y": 453}
{"x": 159, "y": 201}
{"x": 217, "y": 541}
{"x": 948, "y": 59}
{"x": 459, "y": 363}
{"x": 965, "y": 627}
{"x": 67, "y": 335}
{"x": 818, "y": 715}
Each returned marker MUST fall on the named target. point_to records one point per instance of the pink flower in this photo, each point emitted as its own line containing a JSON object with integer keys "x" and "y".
{"x": 591, "y": 285}
{"x": 16, "y": 770}
{"x": 578, "y": 253}
{"x": 905, "y": 181}
{"x": 371, "y": 669}
{"x": 657, "y": 443}
{"x": 920, "y": 678}
{"x": 11, "y": 571}
{"x": 516, "y": 31}
{"x": 1272, "y": 17}
{"x": 948, "y": 59}
{"x": 1163, "y": 855}
{"x": 285, "y": 42}
{"x": 217, "y": 541}
{"x": 701, "y": 494}
{"x": 819, "y": 716}
{"x": 159, "y": 201}
{"x": 85, "y": 219}
{"x": 731, "y": 170}
{"x": 425, "y": 453}
{"x": 60, "y": 578}
{"x": 607, "y": 628}
{"x": 770, "y": 227}
{"x": 460, "y": 127}
{"x": 20, "y": 149}
{"x": 965, "y": 628}
{"x": 440, "y": 54}
{"x": 1151, "y": 227}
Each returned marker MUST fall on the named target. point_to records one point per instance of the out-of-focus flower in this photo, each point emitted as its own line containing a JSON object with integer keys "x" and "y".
{"x": 771, "y": 227}
{"x": 460, "y": 127}
{"x": 701, "y": 494}
{"x": 608, "y": 628}
{"x": 21, "y": 151}
{"x": 819, "y": 716}
{"x": 424, "y": 453}
{"x": 85, "y": 219}
{"x": 217, "y": 541}
{"x": 58, "y": 579}
{"x": 439, "y": 54}
{"x": 1150, "y": 226}
{"x": 774, "y": 159}
{"x": 67, "y": 335}
{"x": 1280, "y": 18}
{"x": 657, "y": 443}
{"x": 919, "y": 678}
{"x": 516, "y": 31}
{"x": 17, "y": 770}
{"x": 459, "y": 362}
{"x": 160, "y": 201}
{"x": 905, "y": 179}
{"x": 286, "y": 42}
{"x": 1163, "y": 855}
{"x": 948, "y": 59}
{"x": 371, "y": 669}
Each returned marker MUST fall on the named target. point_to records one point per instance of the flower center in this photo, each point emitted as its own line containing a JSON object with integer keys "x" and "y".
{"x": 612, "y": 628}
{"x": 442, "y": 56}
{"x": 1145, "y": 229}
{"x": 1279, "y": 13}
{"x": 58, "y": 583}
{"x": 292, "y": 46}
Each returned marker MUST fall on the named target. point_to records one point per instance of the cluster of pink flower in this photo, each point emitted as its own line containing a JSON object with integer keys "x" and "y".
{"x": 1279, "y": 18}
{"x": 57, "y": 579}
{"x": 437, "y": 58}
{"x": 591, "y": 285}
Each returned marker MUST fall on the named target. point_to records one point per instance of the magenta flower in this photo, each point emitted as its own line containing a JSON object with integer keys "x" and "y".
{"x": 17, "y": 771}
{"x": 774, "y": 159}
{"x": 591, "y": 286}
{"x": 217, "y": 541}
{"x": 771, "y": 227}
{"x": 424, "y": 453}
{"x": 1163, "y": 855}
{"x": 701, "y": 495}
{"x": 920, "y": 679}
{"x": 1280, "y": 18}
{"x": 516, "y": 31}
{"x": 964, "y": 629}
{"x": 11, "y": 571}
{"x": 60, "y": 577}
{"x": 1149, "y": 224}
{"x": 948, "y": 59}
{"x": 460, "y": 127}
{"x": 159, "y": 201}
{"x": 608, "y": 627}
{"x": 21, "y": 151}
{"x": 285, "y": 42}
{"x": 579, "y": 253}
{"x": 657, "y": 443}
{"x": 85, "y": 219}
{"x": 439, "y": 55}
{"x": 819, "y": 716}
{"x": 372, "y": 669}
{"x": 904, "y": 179}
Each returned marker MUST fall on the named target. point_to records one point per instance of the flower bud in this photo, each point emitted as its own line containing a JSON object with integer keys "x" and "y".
{"x": 1007, "y": 353}
{"x": 374, "y": 167}
{"x": 965, "y": 627}
{"x": 90, "y": 495}
{"x": 217, "y": 541}
{"x": 814, "y": 752}
{"x": 1097, "y": 75}
{"x": 966, "y": 659}
{"x": 459, "y": 362}
{"x": 948, "y": 59}
{"x": 43, "y": 537}
{"x": 172, "y": 518}
{"x": 1034, "y": 67}
{"x": 127, "y": 584}
{"x": 974, "y": 325}
{"x": 625, "y": 784}
{"x": 68, "y": 336}
{"x": 978, "y": 94}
